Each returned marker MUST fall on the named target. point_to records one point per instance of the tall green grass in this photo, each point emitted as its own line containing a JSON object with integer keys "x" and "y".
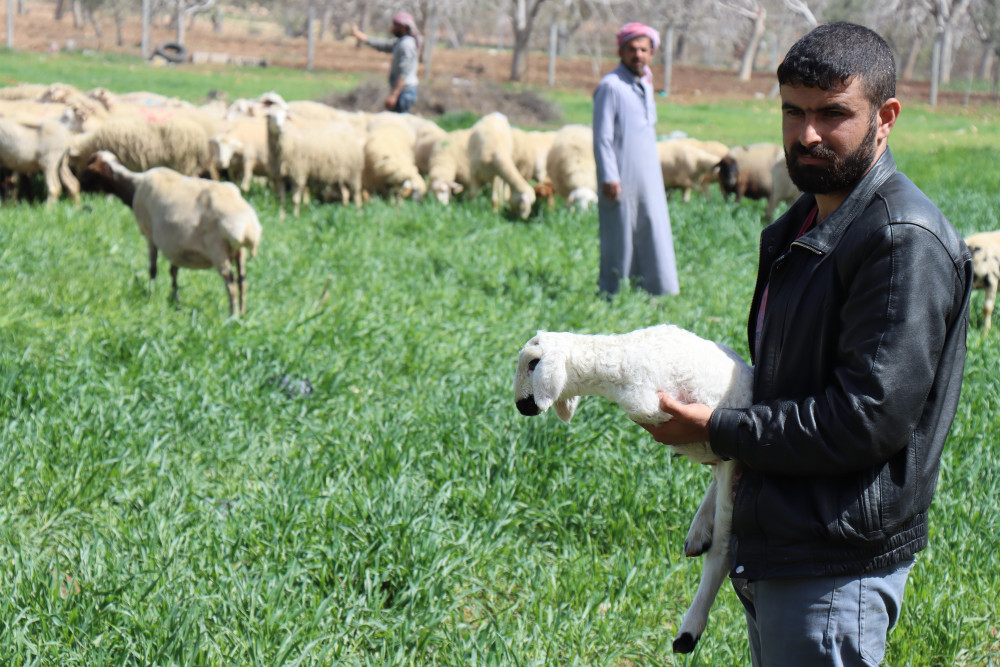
{"x": 340, "y": 477}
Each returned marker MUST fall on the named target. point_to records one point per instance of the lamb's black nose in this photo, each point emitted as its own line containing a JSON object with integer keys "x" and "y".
{"x": 527, "y": 407}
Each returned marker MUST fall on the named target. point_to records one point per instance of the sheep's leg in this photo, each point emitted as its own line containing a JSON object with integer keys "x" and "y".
{"x": 241, "y": 277}
{"x": 175, "y": 291}
{"x": 345, "y": 194}
{"x": 989, "y": 302}
{"x": 716, "y": 561}
{"x": 52, "y": 185}
{"x": 69, "y": 179}
{"x": 699, "y": 536}
{"x": 297, "y": 199}
{"x": 247, "y": 175}
{"x": 151, "y": 249}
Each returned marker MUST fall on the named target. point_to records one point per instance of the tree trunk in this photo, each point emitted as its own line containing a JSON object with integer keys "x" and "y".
{"x": 145, "y": 29}
{"x": 180, "y": 21}
{"x": 10, "y": 24}
{"x": 986, "y": 60}
{"x": 77, "y": 15}
{"x": 910, "y": 62}
{"x": 310, "y": 35}
{"x": 60, "y": 10}
{"x": 668, "y": 58}
{"x": 524, "y": 19}
{"x": 750, "y": 55}
{"x": 430, "y": 37}
{"x": 935, "y": 70}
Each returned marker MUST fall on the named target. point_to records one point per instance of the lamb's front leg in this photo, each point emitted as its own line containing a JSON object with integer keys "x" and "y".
{"x": 716, "y": 561}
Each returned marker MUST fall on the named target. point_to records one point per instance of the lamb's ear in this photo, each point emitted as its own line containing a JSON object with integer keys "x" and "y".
{"x": 548, "y": 379}
{"x": 456, "y": 187}
{"x": 566, "y": 407}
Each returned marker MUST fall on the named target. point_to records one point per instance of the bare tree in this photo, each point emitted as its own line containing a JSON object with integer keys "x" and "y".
{"x": 752, "y": 10}
{"x": 523, "y": 13}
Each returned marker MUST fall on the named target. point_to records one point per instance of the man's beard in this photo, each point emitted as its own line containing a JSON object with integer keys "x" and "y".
{"x": 840, "y": 174}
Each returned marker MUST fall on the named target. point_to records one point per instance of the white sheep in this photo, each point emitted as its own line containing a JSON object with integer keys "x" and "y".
{"x": 317, "y": 154}
{"x": 448, "y": 171}
{"x": 782, "y": 188}
{"x": 41, "y": 148}
{"x": 571, "y": 167}
{"x": 390, "y": 167}
{"x": 685, "y": 166}
{"x": 491, "y": 148}
{"x": 985, "y": 248}
{"x": 531, "y": 150}
{"x": 181, "y": 144}
{"x": 242, "y": 149}
{"x": 555, "y": 369}
{"x": 195, "y": 222}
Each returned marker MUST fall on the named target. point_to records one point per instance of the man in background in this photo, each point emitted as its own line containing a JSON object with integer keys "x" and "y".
{"x": 405, "y": 47}
{"x": 635, "y": 235}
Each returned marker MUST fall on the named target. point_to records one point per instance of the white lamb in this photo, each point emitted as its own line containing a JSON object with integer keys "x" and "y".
{"x": 531, "y": 151}
{"x": 448, "y": 171}
{"x": 316, "y": 154}
{"x": 985, "y": 248}
{"x": 195, "y": 222}
{"x": 555, "y": 369}
{"x": 491, "y": 148}
{"x": 571, "y": 167}
{"x": 178, "y": 143}
{"x": 43, "y": 149}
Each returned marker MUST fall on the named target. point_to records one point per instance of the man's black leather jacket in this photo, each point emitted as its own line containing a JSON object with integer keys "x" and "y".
{"x": 856, "y": 383}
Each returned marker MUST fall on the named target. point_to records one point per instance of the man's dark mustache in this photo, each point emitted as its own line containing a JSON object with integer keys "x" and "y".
{"x": 821, "y": 151}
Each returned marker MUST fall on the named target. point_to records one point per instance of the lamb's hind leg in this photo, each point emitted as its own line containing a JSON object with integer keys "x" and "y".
{"x": 716, "y": 561}
{"x": 699, "y": 536}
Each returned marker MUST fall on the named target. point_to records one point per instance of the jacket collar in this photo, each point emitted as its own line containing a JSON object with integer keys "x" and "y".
{"x": 825, "y": 236}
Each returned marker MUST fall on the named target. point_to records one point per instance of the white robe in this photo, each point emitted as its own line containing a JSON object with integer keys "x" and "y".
{"x": 636, "y": 239}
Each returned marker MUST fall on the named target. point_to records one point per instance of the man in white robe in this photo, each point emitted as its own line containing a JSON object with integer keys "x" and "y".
{"x": 636, "y": 239}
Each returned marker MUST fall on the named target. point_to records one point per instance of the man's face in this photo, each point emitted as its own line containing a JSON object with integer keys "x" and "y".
{"x": 831, "y": 137}
{"x": 636, "y": 53}
{"x": 398, "y": 29}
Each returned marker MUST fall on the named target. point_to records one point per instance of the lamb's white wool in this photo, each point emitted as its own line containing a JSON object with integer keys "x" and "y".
{"x": 985, "y": 248}
{"x": 448, "y": 172}
{"x": 195, "y": 222}
{"x": 555, "y": 369}
{"x": 571, "y": 167}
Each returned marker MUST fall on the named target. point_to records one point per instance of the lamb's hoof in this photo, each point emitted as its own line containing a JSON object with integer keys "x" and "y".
{"x": 692, "y": 550}
{"x": 685, "y": 643}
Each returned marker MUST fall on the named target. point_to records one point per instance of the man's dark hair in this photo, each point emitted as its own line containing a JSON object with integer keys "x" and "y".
{"x": 833, "y": 53}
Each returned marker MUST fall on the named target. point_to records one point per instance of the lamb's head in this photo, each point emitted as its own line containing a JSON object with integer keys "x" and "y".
{"x": 277, "y": 119}
{"x": 541, "y": 377}
{"x": 224, "y": 148}
{"x": 105, "y": 173}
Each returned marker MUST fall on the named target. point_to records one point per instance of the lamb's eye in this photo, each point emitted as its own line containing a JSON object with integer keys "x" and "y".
{"x": 532, "y": 364}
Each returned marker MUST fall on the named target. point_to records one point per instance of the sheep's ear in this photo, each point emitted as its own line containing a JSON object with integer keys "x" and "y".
{"x": 548, "y": 379}
{"x": 456, "y": 187}
{"x": 566, "y": 407}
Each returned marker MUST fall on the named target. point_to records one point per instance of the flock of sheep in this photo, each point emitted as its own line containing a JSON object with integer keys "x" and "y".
{"x": 326, "y": 154}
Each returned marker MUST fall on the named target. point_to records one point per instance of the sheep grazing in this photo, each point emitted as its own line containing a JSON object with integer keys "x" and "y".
{"x": 390, "y": 165}
{"x": 449, "y": 171}
{"x": 196, "y": 223}
{"x": 43, "y": 148}
{"x": 782, "y": 188}
{"x": 571, "y": 167}
{"x": 317, "y": 154}
{"x": 242, "y": 149}
{"x": 985, "y": 248}
{"x": 555, "y": 369}
{"x": 685, "y": 166}
{"x": 491, "y": 148}
{"x": 746, "y": 170}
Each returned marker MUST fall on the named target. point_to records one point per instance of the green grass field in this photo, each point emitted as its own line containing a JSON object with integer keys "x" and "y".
{"x": 341, "y": 477}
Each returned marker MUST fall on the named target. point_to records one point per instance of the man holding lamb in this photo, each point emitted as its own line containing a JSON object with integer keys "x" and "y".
{"x": 857, "y": 334}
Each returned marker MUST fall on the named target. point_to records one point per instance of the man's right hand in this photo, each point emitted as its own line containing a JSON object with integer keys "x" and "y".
{"x": 611, "y": 190}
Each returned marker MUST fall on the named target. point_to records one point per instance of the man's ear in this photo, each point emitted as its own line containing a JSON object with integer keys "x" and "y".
{"x": 888, "y": 113}
{"x": 548, "y": 379}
